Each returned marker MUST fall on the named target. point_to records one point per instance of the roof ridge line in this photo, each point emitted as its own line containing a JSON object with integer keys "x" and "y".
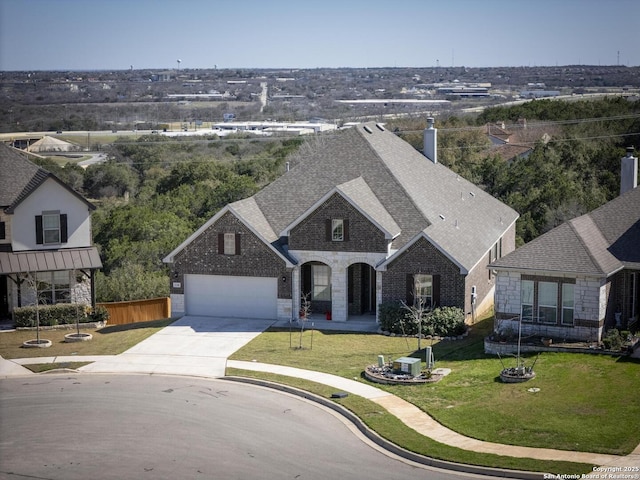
{"x": 582, "y": 241}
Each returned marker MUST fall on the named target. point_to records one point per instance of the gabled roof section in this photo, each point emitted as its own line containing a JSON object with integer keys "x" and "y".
{"x": 247, "y": 212}
{"x": 406, "y": 246}
{"x": 362, "y": 198}
{"x": 599, "y": 243}
{"x": 463, "y": 219}
{"x": 20, "y": 178}
{"x": 416, "y": 193}
{"x": 358, "y": 193}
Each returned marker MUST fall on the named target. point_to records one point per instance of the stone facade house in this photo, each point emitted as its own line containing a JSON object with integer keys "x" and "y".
{"x": 579, "y": 278}
{"x": 355, "y": 222}
{"x": 45, "y": 237}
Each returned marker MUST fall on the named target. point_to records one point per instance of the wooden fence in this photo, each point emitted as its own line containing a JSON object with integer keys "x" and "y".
{"x": 121, "y": 313}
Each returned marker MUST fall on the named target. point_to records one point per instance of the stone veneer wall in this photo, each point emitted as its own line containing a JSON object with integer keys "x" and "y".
{"x": 590, "y": 303}
{"x": 80, "y": 291}
{"x": 339, "y": 263}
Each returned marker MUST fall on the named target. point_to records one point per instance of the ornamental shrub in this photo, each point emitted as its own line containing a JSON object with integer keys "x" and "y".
{"x": 447, "y": 321}
{"x": 50, "y": 315}
{"x": 442, "y": 321}
{"x": 100, "y": 314}
{"x": 612, "y": 340}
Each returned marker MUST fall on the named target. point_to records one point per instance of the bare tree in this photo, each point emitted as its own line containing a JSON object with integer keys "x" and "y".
{"x": 305, "y": 312}
{"x": 418, "y": 311}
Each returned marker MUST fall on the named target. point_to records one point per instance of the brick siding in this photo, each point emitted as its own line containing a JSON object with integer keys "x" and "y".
{"x": 423, "y": 257}
{"x": 255, "y": 260}
{"x": 363, "y": 236}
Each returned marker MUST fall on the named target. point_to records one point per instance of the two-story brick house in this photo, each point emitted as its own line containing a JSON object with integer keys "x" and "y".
{"x": 358, "y": 221}
{"x": 45, "y": 237}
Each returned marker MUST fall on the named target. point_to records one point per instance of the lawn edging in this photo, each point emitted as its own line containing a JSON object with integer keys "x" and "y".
{"x": 382, "y": 442}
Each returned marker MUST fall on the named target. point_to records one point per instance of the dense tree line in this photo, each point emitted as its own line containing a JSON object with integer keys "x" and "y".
{"x": 571, "y": 172}
{"x": 154, "y": 192}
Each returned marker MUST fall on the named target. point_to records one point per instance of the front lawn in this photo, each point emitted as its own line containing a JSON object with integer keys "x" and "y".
{"x": 110, "y": 340}
{"x": 584, "y": 403}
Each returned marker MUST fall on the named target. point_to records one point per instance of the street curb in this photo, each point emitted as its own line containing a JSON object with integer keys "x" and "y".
{"x": 386, "y": 444}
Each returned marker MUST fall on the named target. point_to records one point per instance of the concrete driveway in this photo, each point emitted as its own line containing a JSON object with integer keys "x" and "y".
{"x": 197, "y": 346}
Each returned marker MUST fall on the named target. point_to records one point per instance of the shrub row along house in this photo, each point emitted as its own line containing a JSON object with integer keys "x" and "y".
{"x": 358, "y": 221}
{"x": 45, "y": 238}
{"x": 579, "y": 278}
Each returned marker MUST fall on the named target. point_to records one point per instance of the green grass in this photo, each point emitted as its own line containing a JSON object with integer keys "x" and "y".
{"x": 110, "y": 340}
{"x": 585, "y": 403}
{"x": 46, "y": 367}
{"x": 392, "y": 429}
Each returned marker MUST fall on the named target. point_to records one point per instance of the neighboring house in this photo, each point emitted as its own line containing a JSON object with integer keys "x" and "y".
{"x": 50, "y": 144}
{"x": 518, "y": 141}
{"x": 45, "y": 236}
{"x": 353, "y": 224}
{"x": 579, "y": 278}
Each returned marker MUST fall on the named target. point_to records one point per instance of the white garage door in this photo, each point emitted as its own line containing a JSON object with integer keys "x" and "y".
{"x": 223, "y": 296}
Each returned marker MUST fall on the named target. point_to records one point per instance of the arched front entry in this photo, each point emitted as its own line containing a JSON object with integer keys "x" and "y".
{"x": 361, "y": 289}
{"x": 315, "y": 284}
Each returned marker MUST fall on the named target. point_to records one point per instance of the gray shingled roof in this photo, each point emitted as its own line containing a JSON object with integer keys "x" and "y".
{"x": 19, "y": 178}
{"x": 598, "y": 243}
{"x": 414, "y": 191}
{"x": 16, "y": 172}
{"x": 359, "y": 194}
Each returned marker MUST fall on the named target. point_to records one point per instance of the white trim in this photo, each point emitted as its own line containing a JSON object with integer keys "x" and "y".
{"x": 383, "y": 265}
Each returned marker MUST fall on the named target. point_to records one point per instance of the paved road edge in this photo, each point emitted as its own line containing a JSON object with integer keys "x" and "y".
{"x": 386, "y": 444}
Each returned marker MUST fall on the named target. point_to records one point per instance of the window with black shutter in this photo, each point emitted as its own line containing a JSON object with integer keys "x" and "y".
{"x": 51, "y": 228}
{"x": 229, "y": 244}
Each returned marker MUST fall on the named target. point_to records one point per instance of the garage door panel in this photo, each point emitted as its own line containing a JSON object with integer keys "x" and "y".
{"x": 228, "y": 296}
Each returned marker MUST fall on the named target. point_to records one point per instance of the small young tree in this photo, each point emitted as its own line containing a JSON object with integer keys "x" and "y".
{"x": 418, "y": 311}
{"x": 305, "y": 312}
{"x": 32, "y": 283}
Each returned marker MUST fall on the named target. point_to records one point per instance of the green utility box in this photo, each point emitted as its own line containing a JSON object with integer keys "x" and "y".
{"x": 407, "y": 365}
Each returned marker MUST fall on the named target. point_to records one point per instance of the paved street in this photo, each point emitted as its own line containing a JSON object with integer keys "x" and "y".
{"x": 81, "y": 426}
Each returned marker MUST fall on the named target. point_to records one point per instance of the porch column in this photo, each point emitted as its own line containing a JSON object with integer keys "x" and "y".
{"x": 339, "y": 310}
{"x": 296, "y": 288}
{"x": 378, "y": 294}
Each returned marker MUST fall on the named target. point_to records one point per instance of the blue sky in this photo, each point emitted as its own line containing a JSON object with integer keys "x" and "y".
{"x": 116, "y": 34}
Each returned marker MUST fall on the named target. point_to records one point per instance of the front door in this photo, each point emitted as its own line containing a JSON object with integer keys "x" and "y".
{"x": 361, "y": 289}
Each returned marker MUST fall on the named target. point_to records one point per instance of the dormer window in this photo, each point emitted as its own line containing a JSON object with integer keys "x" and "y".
{"x": 337, "y": 230}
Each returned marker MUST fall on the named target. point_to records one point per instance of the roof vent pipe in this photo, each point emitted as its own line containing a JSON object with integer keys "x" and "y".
{"x": 431, "y": 141}
{"x": 628, "y": 172}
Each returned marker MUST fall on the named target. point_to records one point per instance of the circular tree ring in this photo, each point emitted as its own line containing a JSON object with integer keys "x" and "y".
{"x": 37, "y": 343}
{"x": 77, "y": 337}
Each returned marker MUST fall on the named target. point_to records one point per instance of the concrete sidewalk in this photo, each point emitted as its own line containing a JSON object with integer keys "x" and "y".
{"x": 418, "y": 420}
{"x": 198, "y": 346}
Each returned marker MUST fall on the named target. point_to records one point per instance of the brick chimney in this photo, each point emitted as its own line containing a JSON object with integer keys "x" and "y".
{"x": 431, "y": 141}
{"x": 628, "y": 172}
